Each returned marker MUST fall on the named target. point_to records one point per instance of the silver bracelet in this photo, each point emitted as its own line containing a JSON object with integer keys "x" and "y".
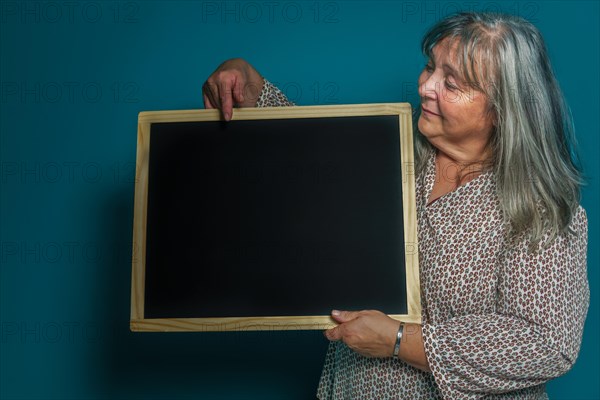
{"x": 398, "y": 339}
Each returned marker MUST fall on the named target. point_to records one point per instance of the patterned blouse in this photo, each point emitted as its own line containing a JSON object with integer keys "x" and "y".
{"x": 498, "y": 320}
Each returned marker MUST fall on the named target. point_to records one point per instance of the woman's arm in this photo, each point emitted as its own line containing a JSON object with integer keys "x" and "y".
{"x": 535, "y": 333}
{"x": 271, "y": 96}
{"x": 533, "y": 336}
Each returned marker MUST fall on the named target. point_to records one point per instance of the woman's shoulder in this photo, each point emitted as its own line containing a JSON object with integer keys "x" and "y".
{"x": 571, "y": 240}
{"x": 580, "y": 214}
{"x": 579, "y": 221}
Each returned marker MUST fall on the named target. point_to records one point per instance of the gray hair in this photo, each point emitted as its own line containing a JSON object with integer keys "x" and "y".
{"x": 533, "y": 143}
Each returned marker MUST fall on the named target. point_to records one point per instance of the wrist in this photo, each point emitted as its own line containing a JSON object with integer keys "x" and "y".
{"x": 398, "y": 340}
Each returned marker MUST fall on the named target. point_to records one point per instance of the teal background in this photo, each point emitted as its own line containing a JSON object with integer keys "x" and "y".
{"x": 74, "y": 77}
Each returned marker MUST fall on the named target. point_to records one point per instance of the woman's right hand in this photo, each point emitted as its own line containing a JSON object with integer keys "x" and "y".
{"x": 235, "y": 83}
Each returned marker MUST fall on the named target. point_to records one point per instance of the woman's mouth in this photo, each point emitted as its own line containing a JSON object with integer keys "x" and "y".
{"x": 429, "y": 112}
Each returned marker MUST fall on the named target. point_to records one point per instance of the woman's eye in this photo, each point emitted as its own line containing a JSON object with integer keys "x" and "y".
{"x": 449, "y": 85}
{"x": 428, "y": 68}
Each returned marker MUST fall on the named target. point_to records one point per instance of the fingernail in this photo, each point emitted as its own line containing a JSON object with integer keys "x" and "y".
{"x": 335, "y": 313}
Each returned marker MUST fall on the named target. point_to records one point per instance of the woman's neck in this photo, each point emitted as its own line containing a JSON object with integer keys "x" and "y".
{"x": 458, "y": 171}
{"x": 451, "y": 173}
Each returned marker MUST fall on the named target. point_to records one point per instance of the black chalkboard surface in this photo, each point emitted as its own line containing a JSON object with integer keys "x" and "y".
{"x": 271, "y": 221}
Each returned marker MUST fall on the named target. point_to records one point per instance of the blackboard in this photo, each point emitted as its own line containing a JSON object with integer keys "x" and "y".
{"x": 271, "y": 220}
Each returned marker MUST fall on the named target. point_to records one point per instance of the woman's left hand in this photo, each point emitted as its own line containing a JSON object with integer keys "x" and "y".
{"x": 369, "y": 333}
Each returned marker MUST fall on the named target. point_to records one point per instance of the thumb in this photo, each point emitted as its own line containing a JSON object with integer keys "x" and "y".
{"x": 343, "y": 316}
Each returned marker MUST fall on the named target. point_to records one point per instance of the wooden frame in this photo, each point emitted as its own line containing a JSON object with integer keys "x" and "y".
{"x": 146, "y": 119}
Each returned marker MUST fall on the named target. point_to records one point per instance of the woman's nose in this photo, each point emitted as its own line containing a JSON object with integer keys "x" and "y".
{"x": 428, "y": 86}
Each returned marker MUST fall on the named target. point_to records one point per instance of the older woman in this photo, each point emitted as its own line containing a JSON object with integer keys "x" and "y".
{"x": 502, "y": 236}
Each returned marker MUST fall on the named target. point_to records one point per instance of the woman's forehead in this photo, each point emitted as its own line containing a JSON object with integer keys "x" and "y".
{"x": 445, "y": 50}
{"x": 469, "y": 67}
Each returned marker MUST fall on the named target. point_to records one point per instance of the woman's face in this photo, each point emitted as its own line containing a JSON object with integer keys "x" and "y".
{"x": 454, "y": 116}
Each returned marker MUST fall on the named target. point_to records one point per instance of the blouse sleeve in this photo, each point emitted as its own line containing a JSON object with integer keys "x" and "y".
{"x": 535, "y": 333}
{"x": 271, "y": 96}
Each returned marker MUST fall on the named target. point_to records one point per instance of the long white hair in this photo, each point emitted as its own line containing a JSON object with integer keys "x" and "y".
{"x": 537, "y": 174}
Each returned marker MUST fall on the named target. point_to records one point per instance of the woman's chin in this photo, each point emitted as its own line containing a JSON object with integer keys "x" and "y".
{"x": 424, "y": 126}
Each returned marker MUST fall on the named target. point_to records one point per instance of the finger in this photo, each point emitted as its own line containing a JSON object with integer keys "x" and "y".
{"x": 225, "y": 95}
{"x": 207, "y": 104}
{"x": 211, "y": 90}
{"x": 334, "y": 334}
{"x": 238, "y": 91}
{"x": 343, "y": 316}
